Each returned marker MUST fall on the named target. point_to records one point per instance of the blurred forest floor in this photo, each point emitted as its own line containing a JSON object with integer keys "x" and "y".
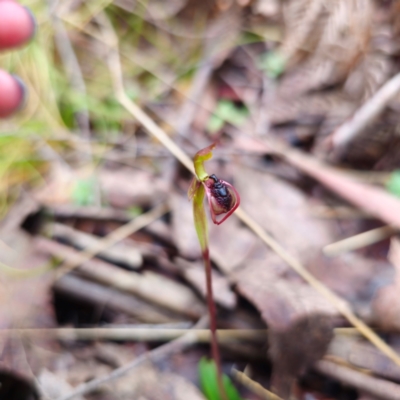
{"x": 100, "y": 267}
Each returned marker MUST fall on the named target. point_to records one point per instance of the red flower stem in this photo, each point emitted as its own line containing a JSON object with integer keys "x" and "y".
{"x": 213, "y": 323}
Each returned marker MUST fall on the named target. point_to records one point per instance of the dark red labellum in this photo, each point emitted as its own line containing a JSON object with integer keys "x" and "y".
{"x": 222, "y": 198}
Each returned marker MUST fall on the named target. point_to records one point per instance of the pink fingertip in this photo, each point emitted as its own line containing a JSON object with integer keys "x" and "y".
{"x": 12, "y": 94}
{"x": 17, "y": 24}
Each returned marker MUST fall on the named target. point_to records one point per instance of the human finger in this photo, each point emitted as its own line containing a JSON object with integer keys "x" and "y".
{"x": 17, "y": 24}
{"x": 12, "y": 94}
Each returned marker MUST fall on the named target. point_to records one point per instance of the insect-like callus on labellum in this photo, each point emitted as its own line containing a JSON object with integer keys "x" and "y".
{"x": 223, "y": 199}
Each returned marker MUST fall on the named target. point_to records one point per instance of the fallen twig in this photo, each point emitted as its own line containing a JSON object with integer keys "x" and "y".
{"x": 142, "y": 334}
{"x": 152, "y": 287}
{"x": 119, "y": 253}
{"x": 105, "y": 298}
{"x": 98, "y": 213}
{"x": 114, "y": 237}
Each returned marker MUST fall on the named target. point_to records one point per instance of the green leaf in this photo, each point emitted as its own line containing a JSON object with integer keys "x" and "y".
{"x": 84, "y": 191}
{"x": 393, "y": 184}
{"x": 209, "y": 382}
{"x": 135, "y": 211}
{"x": 227, "y": 111}
{"x": 215, "y": 123}
{"x": 200, "y": 218}
{"x": 273, "y": 64}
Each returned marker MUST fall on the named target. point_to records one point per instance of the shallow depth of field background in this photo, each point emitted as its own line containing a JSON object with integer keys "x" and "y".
{"x": 96, "y": 230}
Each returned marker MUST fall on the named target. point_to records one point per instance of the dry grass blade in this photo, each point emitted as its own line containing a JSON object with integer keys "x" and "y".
{"x": 73, "y": 69}
{"x": 255, "y": 387}
{"x": 114, "y": 237}
{"x": 141, "y": 334}
{"x": 359, "y": 241}
{"x": 153, "y": 129}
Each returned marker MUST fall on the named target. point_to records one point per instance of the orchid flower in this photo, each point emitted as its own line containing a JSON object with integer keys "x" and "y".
{"x": 223, "y": 199}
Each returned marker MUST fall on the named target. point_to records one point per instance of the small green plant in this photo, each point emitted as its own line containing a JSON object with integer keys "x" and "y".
{"x": 209, "y": 382}
{"x": 393, "y": 183}
{"x": 83, "y": 191}
{"x": 223, "y": 200}
{"x": 227, "y": 111}
{"x": 273, "y": 64}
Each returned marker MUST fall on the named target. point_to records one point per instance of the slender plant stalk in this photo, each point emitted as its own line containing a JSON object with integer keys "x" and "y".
{"x": 222, "y": 199}
{"x": 213, "y": 323}
{"x": 200, "y": 221}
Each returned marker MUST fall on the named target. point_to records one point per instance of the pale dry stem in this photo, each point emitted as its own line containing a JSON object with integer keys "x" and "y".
{"x": 359, "y": 241}
{"x": 140, "y": 334}
{"x": 254, "y": 386}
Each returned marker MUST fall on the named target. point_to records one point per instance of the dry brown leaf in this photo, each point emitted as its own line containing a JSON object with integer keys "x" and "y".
{"x": 298, "y": 317}
{"x": 352, "y": 277}
{"x": 281, "y": 300}
{"x": 230, "y": 245}
{"x": 336, "y": 29}
{"x": 126, "y": 187}
{"x": 297, "y": 348}
{"x": 283, "y": 210}
{"x": 310, "y": 109}
{"x": 120, "y": 188}
{"x": 386, "y": 304}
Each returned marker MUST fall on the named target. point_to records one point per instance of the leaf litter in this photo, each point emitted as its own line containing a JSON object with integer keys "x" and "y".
{"x": 289, "y": 73}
